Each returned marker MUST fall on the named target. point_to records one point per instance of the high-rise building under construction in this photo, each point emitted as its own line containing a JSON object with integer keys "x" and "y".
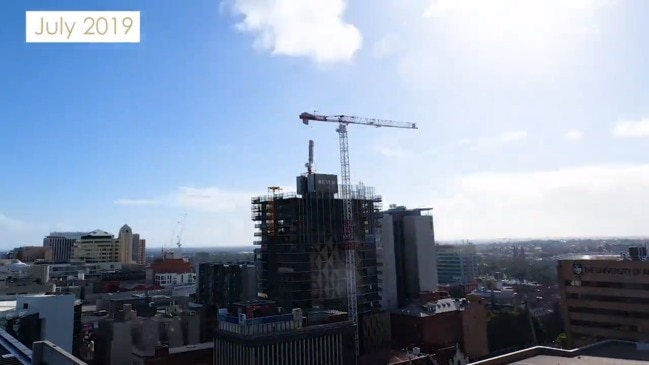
{"x": 301, "y": 254}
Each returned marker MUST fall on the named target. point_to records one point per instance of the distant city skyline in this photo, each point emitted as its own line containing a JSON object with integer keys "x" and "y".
{"x": 532, "y": 115}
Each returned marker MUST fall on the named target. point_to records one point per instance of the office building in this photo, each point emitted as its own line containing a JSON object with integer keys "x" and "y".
{"x": 138, "y": 250}
{"x": 33, "y": 253}
{"x": 125, "y": 241}
{"x": 102, "y": 247}
{"x": 408, "y": 257}
{"x": 605, "y": 297}
{"x": 96, "y": 247}
{"x": 258, "y": 333}
{"x": 61, "y": 244}
{"x": 457, "y": 264}
{"x": 220, "y": 285}
{"x": 301, "y": 256}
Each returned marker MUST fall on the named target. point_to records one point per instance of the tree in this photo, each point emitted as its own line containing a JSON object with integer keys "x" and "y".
{"x": 511, "y": 329}
{"x": 562, "y": 340}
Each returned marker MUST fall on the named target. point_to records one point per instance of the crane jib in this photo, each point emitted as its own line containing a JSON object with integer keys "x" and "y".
{"x": 349, "y": 242}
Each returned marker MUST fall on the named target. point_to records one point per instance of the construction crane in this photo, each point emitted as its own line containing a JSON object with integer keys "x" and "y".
{"x": 345, "y": 195}
{"x": 179, "y": 237}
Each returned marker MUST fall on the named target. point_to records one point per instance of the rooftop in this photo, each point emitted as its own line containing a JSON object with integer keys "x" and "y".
{"x": 98, "y": 233}
{"x": 601, "y": 353}
{"x": 432, "y": 308}
{"x": 200, "y": 346}
{"x": 581, "y": 256}
{"x": 12, "y": 352}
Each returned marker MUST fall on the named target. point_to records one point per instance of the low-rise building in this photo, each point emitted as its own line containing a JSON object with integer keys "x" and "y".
{"x": 33, "y": 253}
{"x": 441, "y": 324}
{"x": 256, "y": 332}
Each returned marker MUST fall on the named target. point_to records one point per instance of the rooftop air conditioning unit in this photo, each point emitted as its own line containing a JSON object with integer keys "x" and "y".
{"x": 297, "y": 314}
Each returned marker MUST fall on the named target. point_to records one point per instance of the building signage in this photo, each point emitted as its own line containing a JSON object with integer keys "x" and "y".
{"x": 578, "y": 269}
{"x": 323, "y": 183}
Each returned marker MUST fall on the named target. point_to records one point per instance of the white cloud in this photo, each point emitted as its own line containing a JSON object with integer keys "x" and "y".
{"x": 579, "y": 201}
{"x": 308, "y": 28}
{"x": 387, "y": 45}
{"x": 215, "y": 216}
{"x": 391, "y": 151}
{"x": 10, "y": 223}
{"x": 490, "y": 142}
{"x": 512, "y": 136}
{"x": 573, "y": 135}
{"x": 211, "y": 199}
{"x": 462, "y": 43}
{"x": 135, "y": 202}
{"x": 16, "y": 232}
{"x": 530, "y": 19}
{"x": 632, "y": 129}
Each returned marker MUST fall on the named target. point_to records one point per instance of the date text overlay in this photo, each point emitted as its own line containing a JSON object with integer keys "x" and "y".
{"x": 82, "y": 27}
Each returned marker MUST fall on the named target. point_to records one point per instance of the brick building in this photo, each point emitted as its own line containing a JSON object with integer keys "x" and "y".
{"x": 442, "y": 324}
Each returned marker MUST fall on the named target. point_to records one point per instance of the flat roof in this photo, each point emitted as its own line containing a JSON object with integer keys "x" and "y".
{"x": 600, "y": 353}
{"x": 581, "y": 256}
{"x": 579, "y": 360}
{"x": 196, "y": 347}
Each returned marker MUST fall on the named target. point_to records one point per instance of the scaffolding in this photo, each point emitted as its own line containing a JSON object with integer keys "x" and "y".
{"x": 301, "y": 255}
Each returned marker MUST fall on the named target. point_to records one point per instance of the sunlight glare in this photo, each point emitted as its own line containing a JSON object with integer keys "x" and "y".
{"x": 517, "y": 23}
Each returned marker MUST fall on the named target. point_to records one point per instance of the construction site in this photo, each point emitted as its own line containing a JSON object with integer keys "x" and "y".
{"x": 318, "y": 246}
{"x": 301, "y": 254}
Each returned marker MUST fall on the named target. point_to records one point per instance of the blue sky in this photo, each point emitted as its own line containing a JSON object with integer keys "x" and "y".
{"x": 533, "y": 115}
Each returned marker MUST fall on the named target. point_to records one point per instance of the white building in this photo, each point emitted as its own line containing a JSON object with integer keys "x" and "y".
{"x": 57, "y": 313}
{"x": 14, "y": 269}
{"x": 174, "y": 279}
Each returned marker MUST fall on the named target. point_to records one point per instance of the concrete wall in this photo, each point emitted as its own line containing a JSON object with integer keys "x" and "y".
{"x": 45, "y": 352}
{"x": 474, "y": 328}
{"x": 388, "y": 274}
{"x": 57, "y": 312}
{"x": 421, "y": 255}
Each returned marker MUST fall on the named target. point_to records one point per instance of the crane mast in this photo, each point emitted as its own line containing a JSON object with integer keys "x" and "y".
{"x": 349, "y": 240}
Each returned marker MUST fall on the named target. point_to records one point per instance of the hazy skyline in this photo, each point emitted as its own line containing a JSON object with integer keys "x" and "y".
{"x": 533, "y": 115}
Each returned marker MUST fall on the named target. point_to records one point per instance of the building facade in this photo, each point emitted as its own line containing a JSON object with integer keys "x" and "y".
{"x": 138, "y": 250}
{"x": 408, "y": 256}
{"x": 61, "y": 244}
{"x": 441, "y": 324}
{"x": 256, "y": 333}
{"x": 96, "y": 247}
{"x": 457, "y": 264}
{"x": 604, "y": 298}
{"x": 221, "y": 285}
{"x": 125, "y": 241}
{"x": 301, "y": 255}
{"x": 33, "y": 253}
